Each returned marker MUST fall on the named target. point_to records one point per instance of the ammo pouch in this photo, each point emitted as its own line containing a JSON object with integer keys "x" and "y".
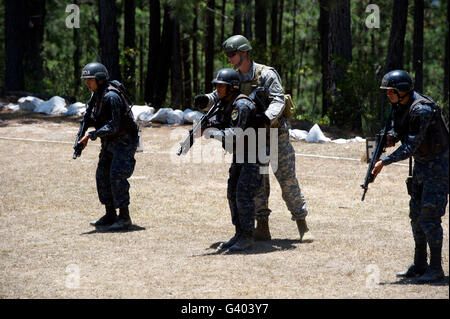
{"x": 408, "y": 182}
{"x": 289, "y": 108}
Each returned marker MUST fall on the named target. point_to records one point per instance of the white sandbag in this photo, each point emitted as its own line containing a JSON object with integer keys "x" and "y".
{"x": 29, "y": 103}
{"x": 56, "y": 105}
{"x": 161, "y": 115}
{"x": 315, "y": 135}
{"x": 358, "y": 139}
{"x": 298, "y": 134}
{"x": 191, "y": 116}
{"x": 175, "y": 117}
{"x": 143, "y": 112}
{"x": 340, "y": 141}
{"x": 76, "y": 109}
{"x": 12, "y": 107}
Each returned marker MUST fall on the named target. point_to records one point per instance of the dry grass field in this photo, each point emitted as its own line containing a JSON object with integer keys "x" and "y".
{"x": 180, "y": 215}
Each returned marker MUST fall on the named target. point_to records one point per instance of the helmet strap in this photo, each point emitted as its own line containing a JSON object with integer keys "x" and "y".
{"x": 241, "y": 60}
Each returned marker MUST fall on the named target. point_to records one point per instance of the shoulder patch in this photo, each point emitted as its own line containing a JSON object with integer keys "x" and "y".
{"x": 234, "y": 115}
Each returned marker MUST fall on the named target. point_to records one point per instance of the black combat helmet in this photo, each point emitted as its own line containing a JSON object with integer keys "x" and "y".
{"x": 398, "y": 80}
{"x": 236, "y": 43}
{"x": 227, "y": 76}
{"x": 95, "y": 70}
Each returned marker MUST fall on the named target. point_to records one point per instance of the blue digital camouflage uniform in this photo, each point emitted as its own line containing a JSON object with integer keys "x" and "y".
{"x": 424, "y": 136}
{"x": 118, "y": 147}
{"x": 244, "y": 175}
{"x": 285, "y": 170}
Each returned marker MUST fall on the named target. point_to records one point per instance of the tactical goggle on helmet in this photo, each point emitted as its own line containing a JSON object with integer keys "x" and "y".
{"x": 228, "y": 77}
{"x": 398, "y": 80}
{"x": 95, "y": 70}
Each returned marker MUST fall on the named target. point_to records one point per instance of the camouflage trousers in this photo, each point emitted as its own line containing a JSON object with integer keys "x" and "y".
{"x": 116, "y": 164}
{"x": 243, "y": 183}
{"x": 286, "y": 177}
{"x": 429, "y": 200}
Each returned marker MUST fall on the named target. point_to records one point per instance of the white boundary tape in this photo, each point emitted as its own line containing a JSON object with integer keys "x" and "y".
{"x": 153, "y": 152}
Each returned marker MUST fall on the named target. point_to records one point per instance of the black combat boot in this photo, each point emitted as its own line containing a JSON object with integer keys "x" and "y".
{"x": 262, "y": 232}
{"x": 232, "y": 240}
{"x": 435, "y": 272}
{"x": 108, "y": 219}
{"x": 123, "y": 222}
{"x": 244, "y": 242}
{"x": 420, "y": 263}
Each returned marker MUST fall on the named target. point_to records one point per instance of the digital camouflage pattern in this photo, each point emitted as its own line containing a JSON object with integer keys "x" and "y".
{"x": 285, "y": 175}
{"x": 116, "y": 164}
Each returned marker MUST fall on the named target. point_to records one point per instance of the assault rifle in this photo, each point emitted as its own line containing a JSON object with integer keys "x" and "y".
{"x": 380, "y": 147}
{"x": 188, "y": 141}
{"x": 83, "y": 128}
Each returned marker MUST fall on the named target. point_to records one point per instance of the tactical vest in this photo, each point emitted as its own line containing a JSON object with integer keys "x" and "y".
{"x": 436, "y": 137}
{"x": 127, "y": 121}
{"x": 247, "y": 88}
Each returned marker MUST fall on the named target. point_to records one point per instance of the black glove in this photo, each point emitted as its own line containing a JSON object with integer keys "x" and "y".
{"x": 201, "y": 101}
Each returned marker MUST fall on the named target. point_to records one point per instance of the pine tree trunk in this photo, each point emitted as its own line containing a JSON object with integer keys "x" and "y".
{"x": 248, "y": 19}
{"x": 237, "y": 22}
{"x": 323, "y": 31}
{"x": 162, "y": 75}
{"x": 394, "y": 59}
{"x": 130, "y": 46}
{"x": 176, "y": 85}
{"x": 260, "y": 31}
{"x": 195, "y": 70}
{"x": 274, "y": 35}
{"x": 187, "y": 79}
{"x": 34, "y": 35}
{"x": 446, "y": 62}
{"x": 76, "y": 59}
{"x": 15, "y": 46}
{"x": 154, "y": 43}
{"x": 209, "y": 46}
{"x": 109, "y": 38}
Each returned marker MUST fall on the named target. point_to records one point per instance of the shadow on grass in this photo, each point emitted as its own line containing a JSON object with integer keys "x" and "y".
{"x": 259, "y": 247}
{"x": 413, "y": 281}
{"x": 132, "y": 228}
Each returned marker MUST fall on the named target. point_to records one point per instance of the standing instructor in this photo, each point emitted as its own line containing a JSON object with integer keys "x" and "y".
{"x": 252, "y": 75}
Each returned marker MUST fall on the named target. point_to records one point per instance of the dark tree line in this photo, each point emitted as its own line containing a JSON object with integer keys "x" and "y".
{"x": 167, "y": 51}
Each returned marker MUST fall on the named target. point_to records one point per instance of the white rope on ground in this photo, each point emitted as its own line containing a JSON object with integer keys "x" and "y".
{"x": 165, "y": 152}
{"x": 32, "y": 140}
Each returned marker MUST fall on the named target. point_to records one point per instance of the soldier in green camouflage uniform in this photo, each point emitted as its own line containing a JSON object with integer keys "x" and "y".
{"x": 252, "y": 75}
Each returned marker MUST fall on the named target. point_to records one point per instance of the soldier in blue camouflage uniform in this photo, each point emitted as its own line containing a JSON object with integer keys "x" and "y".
{"x": 236, "y": 114}
{"x": 115, "y": 126}
{"x": 418, "y": 124}
{"x": 252, "y": 75}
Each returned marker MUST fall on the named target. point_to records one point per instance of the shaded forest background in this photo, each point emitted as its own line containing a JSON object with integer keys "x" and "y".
{"x": 166, "y": 51}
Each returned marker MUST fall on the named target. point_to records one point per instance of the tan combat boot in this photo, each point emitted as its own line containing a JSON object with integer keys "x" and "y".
{"x": 261, "y": 231}
{"x": 303, "y": 230}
